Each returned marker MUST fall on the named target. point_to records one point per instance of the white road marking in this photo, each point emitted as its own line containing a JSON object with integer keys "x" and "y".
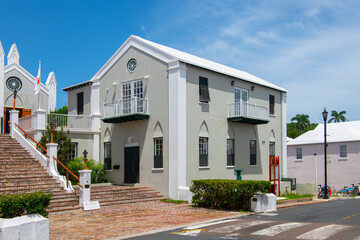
{"x": 237, "y": 226}
{"x": 322, "y": 233}
{"x": 269, "y": 214}
{"x": 277, "y": 229}
{"x": 210, "y": 224}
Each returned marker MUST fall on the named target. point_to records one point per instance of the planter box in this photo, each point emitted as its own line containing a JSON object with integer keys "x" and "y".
{"x": 27, "y": 227}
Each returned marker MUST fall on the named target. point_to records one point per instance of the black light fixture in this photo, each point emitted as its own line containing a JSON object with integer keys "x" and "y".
{"x": 232, "y": 82}
{"x": 252, "y": 88}
{"x": 85, "y": 159}
{"x": 326, "y": 194}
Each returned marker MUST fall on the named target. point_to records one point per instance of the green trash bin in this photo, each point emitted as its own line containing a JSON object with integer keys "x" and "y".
{"x": 238, "y": 173}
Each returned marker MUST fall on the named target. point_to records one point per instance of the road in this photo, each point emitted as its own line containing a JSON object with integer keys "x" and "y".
{"x": 338, "y": 219}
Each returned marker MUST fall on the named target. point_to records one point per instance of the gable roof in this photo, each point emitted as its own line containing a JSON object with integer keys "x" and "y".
{"x": 336, "y": 132}
{"x": 170, "y": 55}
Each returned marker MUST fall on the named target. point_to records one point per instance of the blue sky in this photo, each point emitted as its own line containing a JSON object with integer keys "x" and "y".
{"x": 310, "y": 48}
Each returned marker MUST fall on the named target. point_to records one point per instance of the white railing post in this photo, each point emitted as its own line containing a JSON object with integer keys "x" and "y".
{"x": 39, "y": 123}
{"x": 14, "y": 118}
{"x": 52, "y": 152}
{"x": 135, "y": 105}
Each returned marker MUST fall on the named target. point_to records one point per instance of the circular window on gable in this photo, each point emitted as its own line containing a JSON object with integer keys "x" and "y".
{"x": 131, "y": 66}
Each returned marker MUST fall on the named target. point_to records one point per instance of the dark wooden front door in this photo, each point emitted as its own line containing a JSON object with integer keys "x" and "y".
{"x": 132, "y": 165}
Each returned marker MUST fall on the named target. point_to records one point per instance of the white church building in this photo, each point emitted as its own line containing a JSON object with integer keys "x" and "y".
{"x": 13, "y": 75}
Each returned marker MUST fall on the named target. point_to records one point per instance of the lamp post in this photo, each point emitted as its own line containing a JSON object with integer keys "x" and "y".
{"x": 325, "y": 114}
{"x": 85, "y": 159}
{"x": 52, "y": 132}
{"x": 15, "y": 93}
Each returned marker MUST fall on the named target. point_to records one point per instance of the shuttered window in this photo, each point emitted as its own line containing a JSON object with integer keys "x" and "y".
{"x": 230, "y": 153}
{"x": 107, "y": 155}
{"x": 204, "y": 95}
{"x": 80, "y": 103}
{"x": 271, "y": 104}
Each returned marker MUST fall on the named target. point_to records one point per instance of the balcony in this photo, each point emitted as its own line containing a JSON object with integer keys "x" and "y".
{"x": 69, "y": 122}
{"x": 126, "y": 110}
{"x": 248, "y": 113}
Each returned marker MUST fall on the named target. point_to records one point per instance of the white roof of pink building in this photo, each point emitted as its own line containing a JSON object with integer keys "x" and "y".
{"x": 336, "y": 132}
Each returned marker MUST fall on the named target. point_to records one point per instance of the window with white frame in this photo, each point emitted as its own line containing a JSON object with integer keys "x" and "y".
{"x": 203, "y": 152}
{"x": 230, "y": 153}
{"x": 343, "y": 151}
{"x": 272, "y": 148}
{"x": 298, "y": 153}
{"x": 72, "y": 154}
{"x": 132, "y": 97}
{"x": 158, "y": 152}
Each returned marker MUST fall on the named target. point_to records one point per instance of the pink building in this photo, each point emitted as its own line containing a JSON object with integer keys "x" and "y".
{"x": 306, "y": 155}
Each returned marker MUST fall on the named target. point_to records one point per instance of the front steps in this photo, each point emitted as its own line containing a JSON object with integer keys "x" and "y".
{"x": 22, "y": 173}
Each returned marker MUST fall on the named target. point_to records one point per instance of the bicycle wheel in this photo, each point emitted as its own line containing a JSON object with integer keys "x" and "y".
{"x": 343, "y": 192}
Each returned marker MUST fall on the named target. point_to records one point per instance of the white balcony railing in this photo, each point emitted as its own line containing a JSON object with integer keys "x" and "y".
{"x": 248, "y": 110}
{"x": 27, "y": 122}
{"x": 69, "y": 121}
{"x": 125, "y": 107}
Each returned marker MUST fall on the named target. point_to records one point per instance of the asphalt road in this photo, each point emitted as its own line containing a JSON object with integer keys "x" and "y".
{"x": 338, "y": 219}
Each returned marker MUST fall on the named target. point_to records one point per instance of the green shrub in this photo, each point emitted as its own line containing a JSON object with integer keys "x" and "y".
{"x": 16, "y": 205}
{"x": 97, "y": 174}
{"x": 226, "y": 194}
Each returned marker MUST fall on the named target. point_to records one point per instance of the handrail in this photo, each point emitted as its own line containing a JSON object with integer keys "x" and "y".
{"x": 28, "y": 136}
{"x": 67, "y": 173}
{"x": 61, "y": 164}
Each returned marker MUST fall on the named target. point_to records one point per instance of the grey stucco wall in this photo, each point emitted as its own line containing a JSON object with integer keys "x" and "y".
{"x": 214, "y": 114}
{"x": 72, "y": 100}
{"x": 141, "y": 132}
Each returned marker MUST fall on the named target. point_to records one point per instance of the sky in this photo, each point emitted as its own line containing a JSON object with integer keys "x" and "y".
{"x": 310, "y": 48}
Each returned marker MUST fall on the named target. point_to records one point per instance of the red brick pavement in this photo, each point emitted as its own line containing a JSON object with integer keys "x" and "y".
{"x": 123, "y": 220}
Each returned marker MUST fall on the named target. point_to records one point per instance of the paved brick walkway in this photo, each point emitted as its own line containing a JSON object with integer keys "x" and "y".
{"x": 120, "y": 221}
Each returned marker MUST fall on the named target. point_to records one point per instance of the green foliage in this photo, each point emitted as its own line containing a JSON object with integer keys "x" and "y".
{"x": 16, "y": 205}
{"x": 337, "y": 117}
{"x": 168, "y": 200}
{"x": 64, "y": 145}
{"x": 293, "y": 131}
{"x": 302, "y": 122}
{"x": 226, "y": 194}
{"x": 295, "y": 196}
{"x": 97, "y": 174}
{"x": 63, "y": 110}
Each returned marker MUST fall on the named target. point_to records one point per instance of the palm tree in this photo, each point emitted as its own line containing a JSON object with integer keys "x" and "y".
{"x": 337, "y": 117}
{"x": 302, "y": 121}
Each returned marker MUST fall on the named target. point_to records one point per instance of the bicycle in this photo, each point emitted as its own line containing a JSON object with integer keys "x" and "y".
{"x": 321, "y": 191}
{"x": 354, "y": 190}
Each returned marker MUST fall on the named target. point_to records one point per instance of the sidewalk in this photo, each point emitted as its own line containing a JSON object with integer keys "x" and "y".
{"x": 128, "y": 220}
{"x": 125, "y": 221}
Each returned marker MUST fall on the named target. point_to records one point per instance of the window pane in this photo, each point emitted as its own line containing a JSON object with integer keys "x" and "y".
{"x": 80, "y": 103}
{"x": 107, "y": 155}
{"x": 203, "y": 152}
{"x": 299, "y": 153}
{"x": 272, "y": 148}
{"x": 343, "y": 151}
{"x": 158, "y": 152}
{"x": 271, "y": 104}
{"x": 230, "y": 152}
{"x": 252, "y": 152}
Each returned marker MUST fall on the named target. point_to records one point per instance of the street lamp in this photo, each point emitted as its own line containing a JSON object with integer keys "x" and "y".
{"x": 15, "y": 93}
{"x": 52, "y": 132}
{"x": 325, "y": 114}
{"x": 85, "y": 159}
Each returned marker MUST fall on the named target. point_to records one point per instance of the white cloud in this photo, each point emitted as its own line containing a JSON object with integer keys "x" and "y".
{"x": 312, "y": 13}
